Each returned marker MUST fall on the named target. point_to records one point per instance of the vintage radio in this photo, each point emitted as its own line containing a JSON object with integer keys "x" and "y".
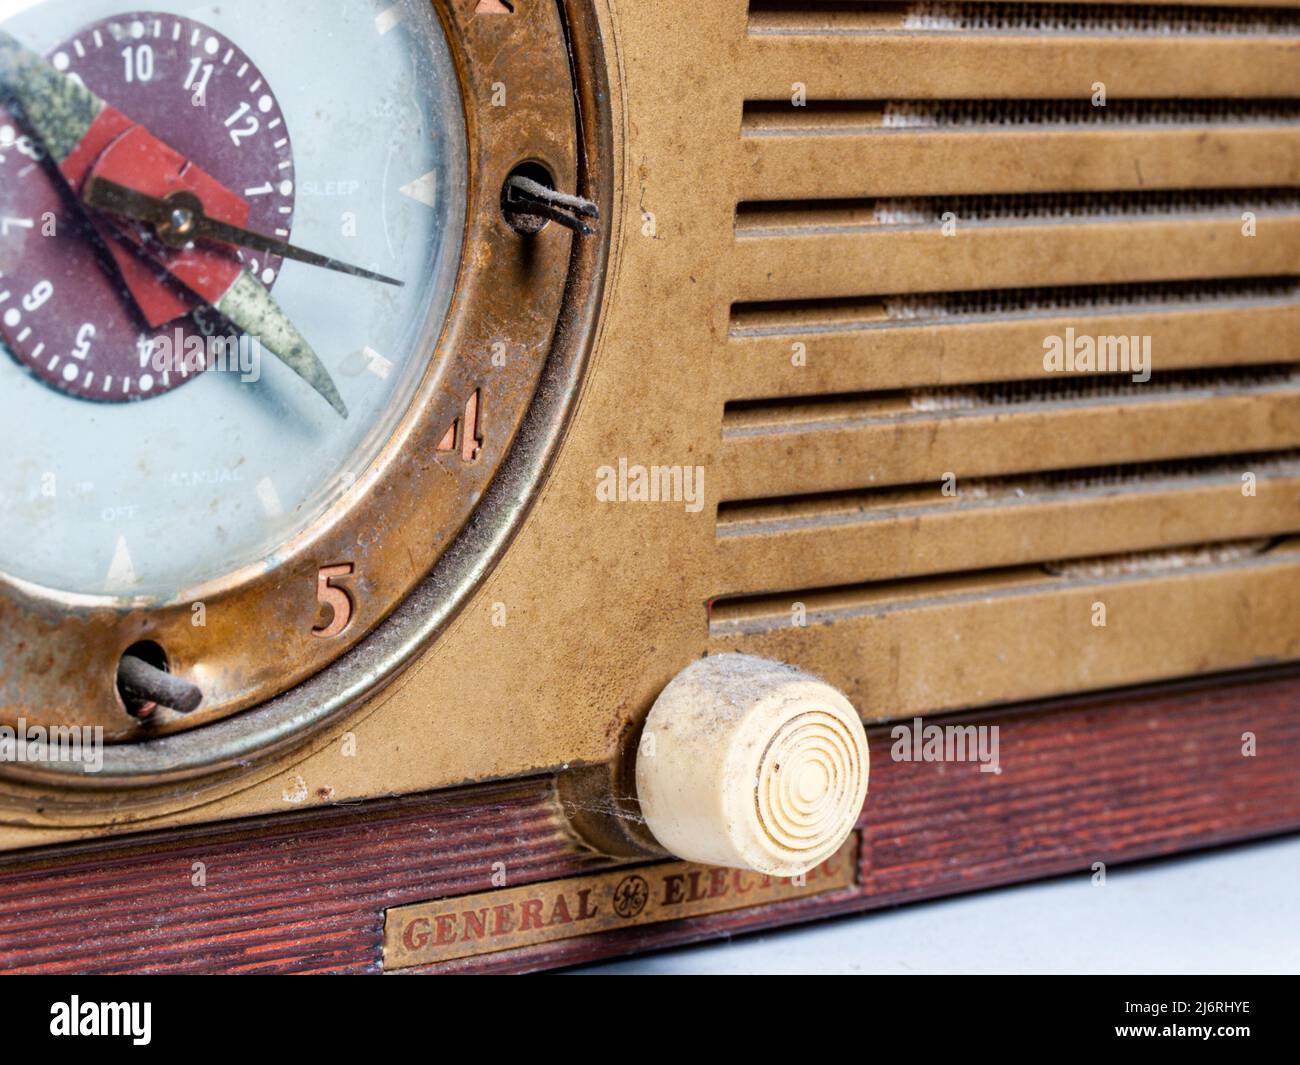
{"x": 495, "y": 483}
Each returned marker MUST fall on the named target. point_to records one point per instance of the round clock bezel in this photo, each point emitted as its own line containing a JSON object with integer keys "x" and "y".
{"x": 423, "y": 526}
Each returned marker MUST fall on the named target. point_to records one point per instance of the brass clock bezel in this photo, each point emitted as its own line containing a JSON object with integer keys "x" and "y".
{"x": 258, "y": 648}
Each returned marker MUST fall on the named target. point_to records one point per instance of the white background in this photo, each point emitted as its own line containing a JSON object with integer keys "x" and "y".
{"x": 1232, "y": 910}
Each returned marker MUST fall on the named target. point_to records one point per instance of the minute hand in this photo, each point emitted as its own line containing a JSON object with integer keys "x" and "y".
{"x": 180, "y": 218}
{"x": 245, "y": 303}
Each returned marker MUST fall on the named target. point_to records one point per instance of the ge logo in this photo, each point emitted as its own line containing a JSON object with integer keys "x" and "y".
{"x": 631, "y": 896}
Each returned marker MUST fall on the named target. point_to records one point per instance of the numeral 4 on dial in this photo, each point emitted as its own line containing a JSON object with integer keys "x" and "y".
{"x": 463, "y": 433}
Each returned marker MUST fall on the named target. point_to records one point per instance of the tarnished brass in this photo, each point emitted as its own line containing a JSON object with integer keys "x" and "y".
{"x": 429, "y": 932}
{"x": 741, "y": 229}
{"x": 263, "y": 631}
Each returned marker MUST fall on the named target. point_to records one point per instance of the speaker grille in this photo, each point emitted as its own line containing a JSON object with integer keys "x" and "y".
{"x": 933, "y": 199}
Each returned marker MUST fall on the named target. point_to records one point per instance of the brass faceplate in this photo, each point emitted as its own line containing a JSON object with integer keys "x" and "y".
{"x": 598, "y": 604}
{"x": 265, "y": 629}
{"x": 426, "y": 933}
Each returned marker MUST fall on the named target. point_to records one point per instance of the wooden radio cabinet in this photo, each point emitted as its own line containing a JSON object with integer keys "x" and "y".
{"x": 944, "y": 353}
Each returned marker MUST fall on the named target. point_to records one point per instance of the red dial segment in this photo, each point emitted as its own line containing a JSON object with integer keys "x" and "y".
{"x": 71, "y": 297}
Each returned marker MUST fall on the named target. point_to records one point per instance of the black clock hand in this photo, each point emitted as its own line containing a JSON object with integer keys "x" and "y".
{"x": 180, "y": 218}
{"x": 61, "y": 111}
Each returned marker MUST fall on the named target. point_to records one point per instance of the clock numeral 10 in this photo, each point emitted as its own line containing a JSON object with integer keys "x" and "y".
{"x": 336, "y": 598}
{"x": 138, "y": 62}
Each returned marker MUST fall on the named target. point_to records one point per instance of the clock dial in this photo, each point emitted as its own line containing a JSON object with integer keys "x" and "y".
{"x": 197, "y": 91}
{"x": 171, "y": 428}
{"x": 271, "y": 326}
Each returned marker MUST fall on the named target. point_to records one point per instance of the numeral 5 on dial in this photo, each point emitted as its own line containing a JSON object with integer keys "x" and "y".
{"x": 337, "y": 598}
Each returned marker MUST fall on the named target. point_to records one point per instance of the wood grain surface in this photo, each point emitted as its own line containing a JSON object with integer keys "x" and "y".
{"x": 1111, "y": 778}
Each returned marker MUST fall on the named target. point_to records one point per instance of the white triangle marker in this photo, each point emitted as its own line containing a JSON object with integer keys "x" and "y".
{"x": 269, "y": 497}
{"x": 121, "y": 571}
{"x": 376, "y": 363}
{"x": 424, "y": 190}
{"x": 388, "y": 19}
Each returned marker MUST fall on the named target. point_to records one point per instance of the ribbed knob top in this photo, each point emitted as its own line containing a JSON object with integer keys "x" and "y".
{"x": 753, "y": 764}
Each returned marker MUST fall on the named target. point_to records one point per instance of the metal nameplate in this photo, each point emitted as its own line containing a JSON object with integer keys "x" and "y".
{"x": 510, "y": 917}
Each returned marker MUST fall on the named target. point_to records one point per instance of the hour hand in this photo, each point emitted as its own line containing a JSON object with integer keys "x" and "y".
{"x": 249, "y": 307}
{"x": 180, "y": 218}
{"x": 237, "y": 296}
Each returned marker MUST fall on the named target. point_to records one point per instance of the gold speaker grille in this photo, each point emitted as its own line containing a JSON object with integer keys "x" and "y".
{"x": 930, "y": 193}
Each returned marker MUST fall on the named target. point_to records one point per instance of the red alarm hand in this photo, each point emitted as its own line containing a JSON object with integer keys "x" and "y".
{"x": 117, "y": 150}
{"x": 87, "y": 137}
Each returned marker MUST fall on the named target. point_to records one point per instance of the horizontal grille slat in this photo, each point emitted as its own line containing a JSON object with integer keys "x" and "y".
{"x": 825, "y": 448}
{"x": 1020, "y": 16}
{"x": 914, "y": 500}
{"x": 766, "y": 118}
{"x": 846, "y": 260}
{"x": 930, "y": 646}
{"x": 939, "y": 308}
{"x": 771, "y": 611}
{"x": 827, "y": 215}
{"x": 955, "y": 66}
{"x": 1019, "y": 159}
{"x": 850, "y": 538}
{"x": 857, "y": 358}
{"x": 761, "y": 7}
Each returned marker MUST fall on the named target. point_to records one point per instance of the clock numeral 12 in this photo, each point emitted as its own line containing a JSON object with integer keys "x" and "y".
{"x": 335, "y": 597}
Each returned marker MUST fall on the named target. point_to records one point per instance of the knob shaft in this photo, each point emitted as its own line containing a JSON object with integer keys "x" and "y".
{"x": 753, "y": 764}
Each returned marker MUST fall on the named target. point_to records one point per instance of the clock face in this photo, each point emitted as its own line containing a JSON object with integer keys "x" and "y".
{"x": 271, "y": 326}
{"x": 161, "y": 442}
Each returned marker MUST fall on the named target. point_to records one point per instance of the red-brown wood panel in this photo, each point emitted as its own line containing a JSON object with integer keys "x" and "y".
{"x": 1111, "y": 778}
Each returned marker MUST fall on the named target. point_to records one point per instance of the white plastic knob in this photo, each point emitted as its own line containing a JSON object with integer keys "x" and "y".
{"x": 752, "y": 764}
